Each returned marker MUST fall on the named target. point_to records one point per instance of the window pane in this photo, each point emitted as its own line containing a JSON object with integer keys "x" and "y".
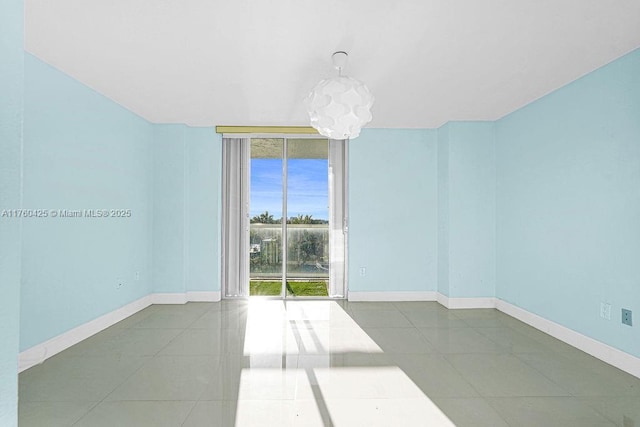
{"x": 265, "y": 211}
{"x": 308, "y": 215}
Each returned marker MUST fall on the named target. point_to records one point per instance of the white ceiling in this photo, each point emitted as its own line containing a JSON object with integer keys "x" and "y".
{"x": 252, "y": 62}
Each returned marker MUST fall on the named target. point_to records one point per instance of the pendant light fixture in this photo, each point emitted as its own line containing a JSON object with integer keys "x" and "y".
{"x": 338, "y": 107}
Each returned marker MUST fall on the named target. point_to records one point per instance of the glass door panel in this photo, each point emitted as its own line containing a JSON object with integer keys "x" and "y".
{"x": 307, "y": 212}
{"x": 265, "y": 213}
{"x": 284, "y": 216}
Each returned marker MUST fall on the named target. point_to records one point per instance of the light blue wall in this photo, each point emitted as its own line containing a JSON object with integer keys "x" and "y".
{"x": 169, "y": 208}
{"x": 81, "y": 151}
{"x": 568, "y": 204}
{"x": 443, "y": 210}
{"x": 471, "y": 208}
{"x": 11, "y": 87}
{"x": 204, "y": 148}
{"x": 186, "y": 220}
{"x": 393, "y": 193}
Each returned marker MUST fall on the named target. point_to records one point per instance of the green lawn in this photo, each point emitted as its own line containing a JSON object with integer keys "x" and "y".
{"x": 298, "y": 289}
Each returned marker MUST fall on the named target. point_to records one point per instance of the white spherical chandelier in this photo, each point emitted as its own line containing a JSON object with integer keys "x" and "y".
{"x": 338, "y": 107}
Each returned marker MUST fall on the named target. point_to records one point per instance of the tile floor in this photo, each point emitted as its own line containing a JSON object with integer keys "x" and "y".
{"x": 307, "y": 363}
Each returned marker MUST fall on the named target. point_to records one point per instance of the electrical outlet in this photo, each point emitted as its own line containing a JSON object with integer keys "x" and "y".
{"x": 363, "y": 271}
{"x": 626, "y": 317}
{"x": 137, "y": 275}
{"x": 605, "y": 310}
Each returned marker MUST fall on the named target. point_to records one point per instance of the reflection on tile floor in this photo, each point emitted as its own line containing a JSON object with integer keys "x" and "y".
{"x": 308, "y": 363}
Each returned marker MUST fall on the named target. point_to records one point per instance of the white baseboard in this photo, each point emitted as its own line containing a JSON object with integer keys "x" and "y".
{"x": 203, "y": 296}
{"x": 174, "y": 298}
{"x": 392, "y": 296}
{"x": 168, "y": 298}
{"x": 41, "y": 352}
{"x": 462, "y": 303}
{"x": 597, "y": 349}
{"x": 452, "y": 303}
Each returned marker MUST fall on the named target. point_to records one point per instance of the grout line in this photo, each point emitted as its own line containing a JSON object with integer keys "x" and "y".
{"x": 195, "y": 403}
{"x": 85, "y": 414}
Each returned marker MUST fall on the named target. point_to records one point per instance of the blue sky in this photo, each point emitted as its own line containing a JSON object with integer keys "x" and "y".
{"x": 308, "y": 187}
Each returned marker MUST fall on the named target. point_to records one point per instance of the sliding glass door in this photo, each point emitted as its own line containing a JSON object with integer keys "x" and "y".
{"x": 289, "y": 210}
{"x": 294, "y": 218}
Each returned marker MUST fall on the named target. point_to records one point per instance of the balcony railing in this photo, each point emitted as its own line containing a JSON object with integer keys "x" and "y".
{"x": 307, "y": 251}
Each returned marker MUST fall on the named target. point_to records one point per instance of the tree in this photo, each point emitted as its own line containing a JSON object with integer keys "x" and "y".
{"x": 300, "y": 219}
{"x": 263, "y": 218}
{"x": 309, "y": 247}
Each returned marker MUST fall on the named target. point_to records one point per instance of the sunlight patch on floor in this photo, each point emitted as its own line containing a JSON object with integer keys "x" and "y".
{"x": 297, "y": 352}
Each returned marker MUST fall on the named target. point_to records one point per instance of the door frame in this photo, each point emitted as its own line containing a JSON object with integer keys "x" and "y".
{"x": 243, "y": 265}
